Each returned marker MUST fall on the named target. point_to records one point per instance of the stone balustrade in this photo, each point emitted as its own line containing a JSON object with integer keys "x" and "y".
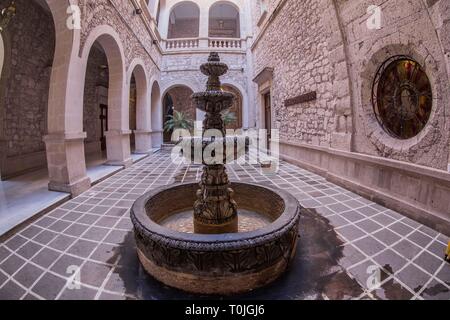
{"x": 199, "y": 44}
{"x": 225, "y": 43}
{"x": 180, "y": 44}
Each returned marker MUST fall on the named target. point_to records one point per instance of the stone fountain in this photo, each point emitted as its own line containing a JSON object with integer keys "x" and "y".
{"x": 222, "y": 237}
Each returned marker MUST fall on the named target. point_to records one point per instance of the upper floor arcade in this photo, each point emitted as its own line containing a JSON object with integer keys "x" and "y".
{"x": 198, "y": 25}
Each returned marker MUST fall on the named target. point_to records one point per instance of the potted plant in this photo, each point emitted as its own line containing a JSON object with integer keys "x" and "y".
{"x": 178, "y": 120}
{"x": 228, "y": 118}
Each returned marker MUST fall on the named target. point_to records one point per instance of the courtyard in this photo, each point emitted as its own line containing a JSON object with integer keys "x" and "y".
{"x": 342, "y": 236}
{"x": 314, "y": 138}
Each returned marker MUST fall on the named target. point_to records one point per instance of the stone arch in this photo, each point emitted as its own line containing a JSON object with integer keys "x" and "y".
{"x": 245, "y": 104}
{"x": 142, "y": 119}
{"x": 65, "y": 69}
{"x": 176, "y": 98}
{"x": 118, "y": 134}
{"x": 230, "y": 26}
{"x": 156, "y": 114}
{"x": 25, "y": 83}
{"x": 64, "y": 142}
{"x": 188, "y": 24}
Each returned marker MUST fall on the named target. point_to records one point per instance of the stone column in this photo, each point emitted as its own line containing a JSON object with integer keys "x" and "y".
{"x": 204, "y": 27}
{"x": 118, "y": 148}
{"x": 157, "y": 138}
{"x": 143, "y": 141}
{"x": 66, "y": 163}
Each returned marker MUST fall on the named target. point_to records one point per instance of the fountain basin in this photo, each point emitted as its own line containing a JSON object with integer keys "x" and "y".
{"x": 222, "y": 264}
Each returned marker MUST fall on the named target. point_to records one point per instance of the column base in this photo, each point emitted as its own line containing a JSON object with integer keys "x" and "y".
{"x": 75, "y": 189}
{"x": 125, "y": 163}
{"x": 66, "y": 162}
{"x": 143, "y": 141}
{"x": 143, "y": 151}
{"x": 118, "y": 148}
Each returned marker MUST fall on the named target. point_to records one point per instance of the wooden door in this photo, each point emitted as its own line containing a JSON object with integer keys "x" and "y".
{"x": 268, "y": 117}
{"x": 103, "y": 124}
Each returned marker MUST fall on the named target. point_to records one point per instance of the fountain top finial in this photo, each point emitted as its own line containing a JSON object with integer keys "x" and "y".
{"x": 214, "y": 68}
{"x": 214, "y": 57}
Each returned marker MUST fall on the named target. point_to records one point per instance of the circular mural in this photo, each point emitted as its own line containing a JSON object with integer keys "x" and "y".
{"x": 402, "y": 97}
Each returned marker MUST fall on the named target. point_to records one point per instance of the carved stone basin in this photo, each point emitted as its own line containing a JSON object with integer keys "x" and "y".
{"x": 224, "y": 264}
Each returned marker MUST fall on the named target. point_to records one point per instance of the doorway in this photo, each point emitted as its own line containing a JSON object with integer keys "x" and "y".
{"x": 103, "y": 125}
{"x": 168, "y": 112}
{"x": 268, "y": 118}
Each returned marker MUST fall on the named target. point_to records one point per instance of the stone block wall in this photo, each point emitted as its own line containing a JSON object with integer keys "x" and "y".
{"x": 295, "y": 44}
{"x": 326, "y": 46}
{"x": 184, "y": 69}
{"x": 133, "y": 33}
{"x": 412, "y": 28}
{"x": 29, "y": 48}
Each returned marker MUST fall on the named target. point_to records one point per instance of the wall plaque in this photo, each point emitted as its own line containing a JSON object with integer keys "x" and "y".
{"x": 307, "y": 97}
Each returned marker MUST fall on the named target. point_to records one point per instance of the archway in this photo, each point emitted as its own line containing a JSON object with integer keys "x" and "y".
{"x": 27, "y": 70}
{"x": 156, "y": 116}
{"x": 224, "y": 21}
{"x": 26, "y": 66}
{"x": 178, "y": 98}
{"x": 184, "y": 21}
{"x": 237, "y": 107}
{"x": 139, "y": 113}
{"x": 104, "y": 58}
{"x": 133, "y": 113}
{"x": 95, "y": 105}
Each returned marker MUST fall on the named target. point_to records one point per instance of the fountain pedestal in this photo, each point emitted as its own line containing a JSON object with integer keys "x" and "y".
{"x": 215, "y": 211}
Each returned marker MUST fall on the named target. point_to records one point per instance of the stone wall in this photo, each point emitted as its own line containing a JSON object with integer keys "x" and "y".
{"x": 408, "y": 28}
{"x": 185, "y": 69}
{"x": 295, "y": 45}
{"x": 134, "y": 34}
{"x": 326, "y": 46}
{"x": 29, "y": 49}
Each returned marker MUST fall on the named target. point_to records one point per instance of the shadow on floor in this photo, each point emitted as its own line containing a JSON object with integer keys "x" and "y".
{"x": 314, "y": 273}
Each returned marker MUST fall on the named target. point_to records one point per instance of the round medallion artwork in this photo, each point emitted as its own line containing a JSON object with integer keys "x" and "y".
{"x": 402, "y": 97}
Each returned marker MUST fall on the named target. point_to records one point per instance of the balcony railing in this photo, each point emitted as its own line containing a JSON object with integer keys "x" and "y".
{"x": 225, "y": 43}
{"x": 200, "y": 44}
{"x": 180, "y": 44}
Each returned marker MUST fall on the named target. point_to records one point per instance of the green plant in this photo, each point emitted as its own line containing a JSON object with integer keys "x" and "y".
{"x": 229, "y": 118}
{"x": 178, "y": 120}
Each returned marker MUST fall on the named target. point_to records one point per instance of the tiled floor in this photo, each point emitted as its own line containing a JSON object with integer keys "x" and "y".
{"x": 27, "y": 195}
{"x": 85, "y": 248}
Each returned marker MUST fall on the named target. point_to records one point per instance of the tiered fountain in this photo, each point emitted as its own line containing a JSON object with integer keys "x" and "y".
{"x": 224, "y": 237}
